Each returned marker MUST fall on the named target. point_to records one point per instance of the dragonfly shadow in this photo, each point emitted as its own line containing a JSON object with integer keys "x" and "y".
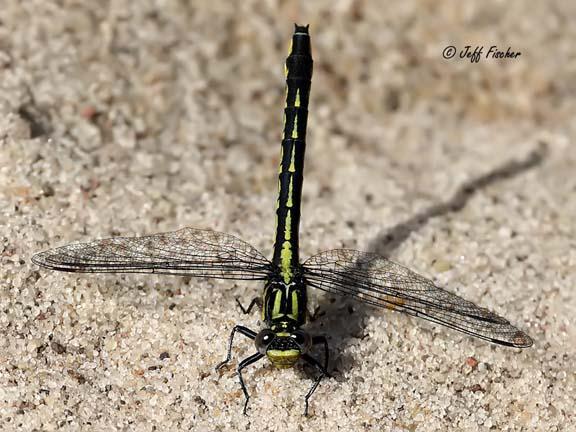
{"x": 343, "y": 318}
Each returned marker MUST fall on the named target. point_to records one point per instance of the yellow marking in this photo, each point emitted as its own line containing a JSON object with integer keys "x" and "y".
{"x": 283, "y": 353}
{"x": 290, "y": 47}
{"x": 289, "y": 202}
{"x": 281, "y": 152}
{"x": 393, "y": 303}
{"x": 295, "y": 128}
{"x": 282, "y": 334}
{"x": 277, "y": 207}
{"x": 297, "y": 103}
{"x": 277, "y": 303}
{"x": 285, "y": 261}
{"x": 294, "y": 314}
{"x": 283, "y": 359}
{"x": 292, "y": 167}
{"x": 287, "y": 226}
{"x": 285, "y": 70}
{"x": 264, "y": 304}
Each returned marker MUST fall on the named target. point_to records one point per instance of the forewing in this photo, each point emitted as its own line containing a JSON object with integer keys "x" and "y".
{"x": 188, "y": 251}
{"x": 378, "y": 281}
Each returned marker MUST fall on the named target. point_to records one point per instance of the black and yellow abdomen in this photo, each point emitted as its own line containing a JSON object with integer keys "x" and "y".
{"x": 284, "y": 305}
{"x": 298, "y": 69}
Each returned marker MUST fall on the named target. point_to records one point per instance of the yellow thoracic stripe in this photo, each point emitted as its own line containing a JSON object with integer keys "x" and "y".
{"x": 294, "y": 314}
{"x": 297, "y": 102}
{"x": 277, "y": 303}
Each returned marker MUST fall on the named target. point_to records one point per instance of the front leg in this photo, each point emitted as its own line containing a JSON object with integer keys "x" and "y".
{"x": 322, "y": 368}
{"x": 242, "y": 330}
{"x": 246, "y": 362}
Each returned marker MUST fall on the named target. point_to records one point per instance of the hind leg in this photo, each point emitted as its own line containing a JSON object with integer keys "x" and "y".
{"x": 256, "y": 301}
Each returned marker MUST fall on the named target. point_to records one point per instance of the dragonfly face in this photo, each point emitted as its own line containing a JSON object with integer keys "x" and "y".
{"x": 283, "y": 349}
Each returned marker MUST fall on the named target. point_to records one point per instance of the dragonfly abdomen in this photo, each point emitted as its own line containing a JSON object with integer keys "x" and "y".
{"x": 298, "y": 68}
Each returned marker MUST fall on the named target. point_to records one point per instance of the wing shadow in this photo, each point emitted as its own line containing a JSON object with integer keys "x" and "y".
{"x": 343, "y": 318}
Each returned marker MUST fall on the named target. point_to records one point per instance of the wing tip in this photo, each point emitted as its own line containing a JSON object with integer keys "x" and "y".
{"x": 42, "y": 259}
{"x": 39, "y": 259}
{"x": 45, "y": 260}
{"x": 522, "y": 340}
{"x": 518, "y": 340}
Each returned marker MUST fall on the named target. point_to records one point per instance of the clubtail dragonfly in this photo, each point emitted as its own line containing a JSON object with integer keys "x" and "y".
{"x": 367, "y": 277}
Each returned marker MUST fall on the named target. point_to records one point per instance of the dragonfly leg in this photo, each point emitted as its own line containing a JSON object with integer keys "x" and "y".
{"x": 315, "y": 314}
{"x": 246, "y": 362}
{"x": 242, "y": 330}
{"x": 316, "y": 340}
{"x": 255, "y": 301}
{"x": 323, "y": 373}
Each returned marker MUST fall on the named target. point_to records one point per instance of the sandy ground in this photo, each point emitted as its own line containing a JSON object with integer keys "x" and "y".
{"x": 126, "y": 118}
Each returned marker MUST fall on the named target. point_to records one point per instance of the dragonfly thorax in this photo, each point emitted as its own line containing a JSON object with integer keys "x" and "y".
{"x": 284, "y": 304}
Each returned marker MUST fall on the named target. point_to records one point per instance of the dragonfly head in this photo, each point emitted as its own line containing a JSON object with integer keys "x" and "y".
{"x": 283, "y": 348}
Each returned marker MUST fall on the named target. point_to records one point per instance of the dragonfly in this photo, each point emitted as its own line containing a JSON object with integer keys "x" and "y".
{"x": 364, "y": 276}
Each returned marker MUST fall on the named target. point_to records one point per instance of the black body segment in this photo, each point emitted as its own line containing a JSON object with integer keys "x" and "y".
{"x": 298, "y": 69}
{"x": 284, "y": 306}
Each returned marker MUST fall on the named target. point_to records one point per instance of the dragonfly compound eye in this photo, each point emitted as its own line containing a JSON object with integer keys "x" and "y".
{"x": 303, "y": 340}
{"x": 263, "y": 340}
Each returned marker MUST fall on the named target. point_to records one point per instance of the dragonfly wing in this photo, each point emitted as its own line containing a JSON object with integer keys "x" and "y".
{"x": 378, "y": 281}
{"x": 188, "y": 251}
